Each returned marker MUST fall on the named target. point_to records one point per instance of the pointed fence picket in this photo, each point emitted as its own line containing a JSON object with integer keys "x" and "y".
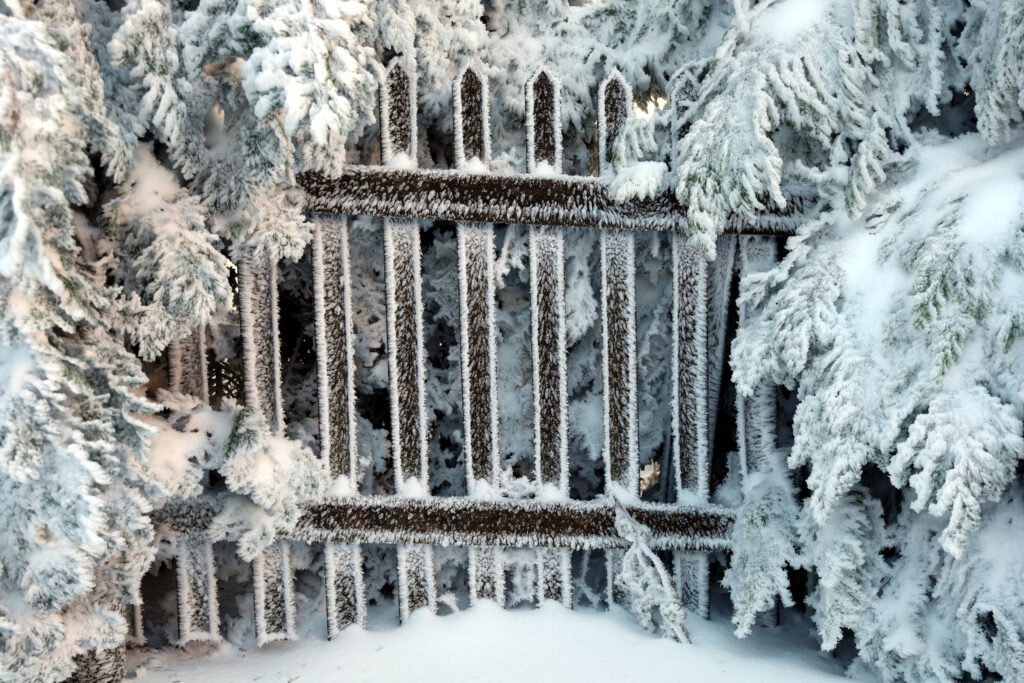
{"x": 404, "y": 286}
{"x": 618, "y": 310}
{"x": 547, "y": 292}
{"x": 477, "y": 290}
{"x": 547, "y": 530}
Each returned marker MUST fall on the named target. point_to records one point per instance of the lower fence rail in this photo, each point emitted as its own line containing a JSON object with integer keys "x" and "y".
{"x": 492, "y": 531}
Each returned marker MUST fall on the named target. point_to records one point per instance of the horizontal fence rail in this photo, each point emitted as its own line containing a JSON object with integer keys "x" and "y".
{"x": 579, "y": 525}
{"x": 563, "y": 201}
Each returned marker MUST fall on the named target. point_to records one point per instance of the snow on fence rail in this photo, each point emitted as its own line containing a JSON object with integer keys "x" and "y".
{"x": 411, "y": 519}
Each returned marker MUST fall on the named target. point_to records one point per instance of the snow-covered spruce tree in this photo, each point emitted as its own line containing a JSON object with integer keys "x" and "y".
{"x": 895, "y": 312}
{"x": 73, "y": 478}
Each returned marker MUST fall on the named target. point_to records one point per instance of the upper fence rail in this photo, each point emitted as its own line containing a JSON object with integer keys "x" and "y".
{"x": 466, "y": 194}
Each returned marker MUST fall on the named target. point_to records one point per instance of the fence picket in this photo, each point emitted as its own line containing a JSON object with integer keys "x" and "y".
{"x": 332, "y": 291}
{"x": 404, "y": 285}
{"x": 720, "y": 281}
{"x": 346, "y": 596}
{"x": 187, "y": 371}
{"x": 273, "y": 590}
{"x": 613, "y": 558}
{"x": 405, "y": 338}
{"x": 756, "y": 414}
{"x": 486, "y": 575}
{"x": 133, "y": 615}
{"x": 691, "y": 572}
{"x": 547, "y": 293}
{"x": 198, "y": 616}
{"x": 554, "y": 574}
{"x": 618, "y": 312}
{"x": 261, "y": 348}
{"x": 476, "y": 293}
{"x": 690, "y": 396}
{"x": 416, "y": 579}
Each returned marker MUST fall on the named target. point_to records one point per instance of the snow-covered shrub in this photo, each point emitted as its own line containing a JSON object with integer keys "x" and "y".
{"x": 900, "y": 331}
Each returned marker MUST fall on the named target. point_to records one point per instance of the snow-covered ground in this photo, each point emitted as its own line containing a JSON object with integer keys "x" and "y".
{"x": 486, "y": 643}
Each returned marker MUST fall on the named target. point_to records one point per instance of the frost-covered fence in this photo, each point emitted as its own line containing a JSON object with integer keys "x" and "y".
{"x": 550, "y": 526}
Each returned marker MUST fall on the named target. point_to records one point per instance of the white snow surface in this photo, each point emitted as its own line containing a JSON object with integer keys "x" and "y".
{"x": 479, "y": 645}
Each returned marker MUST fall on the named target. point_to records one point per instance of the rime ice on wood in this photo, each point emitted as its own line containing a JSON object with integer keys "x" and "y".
{"x": 547, "y": 293}
{"x": 476, "y": 293}
{"x": 720, "y": 281}
{"x": 613, "y": 566}
{"x": 547, "y": 301}
{"x": 618, "y": 313}
{"x": 568, "y": 201}
{"x": 486, "y": 575}
{"x": 543, "y": 122}
{"x": 755, "y": 418}
{"x": 332, "y": 293}
{"x": 346, "y": 596}
{"x": 198, "y": 615}
{"x": 472, "y": 106}
{"x": 404, "y": 285}
{"x": 99, "y": 667}
{"x": 690, "y": 370}
{"x": 261, "y": 347}
{"x": 554, "y": 572}
{"x": 415, "y": 579}
{"x": 479, "y": 351}
{"x": 133, "y": 615}
{"x": 689, "y": 393}
{"x": 405, "y": 338}
{"x": 398, "y": 112}
{"x": 521, "y": 523}
{"x": 186, "y": 360}
{"x": 274, "y": 593}
{"x": 691, "y": 575}
{"x": 613, "y": 102}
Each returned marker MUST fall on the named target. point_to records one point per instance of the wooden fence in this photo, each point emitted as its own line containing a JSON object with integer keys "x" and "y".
{"x": 545, "y": 200}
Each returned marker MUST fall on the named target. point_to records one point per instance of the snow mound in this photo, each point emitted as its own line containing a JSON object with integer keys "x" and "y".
{"x": 479, "y": 645}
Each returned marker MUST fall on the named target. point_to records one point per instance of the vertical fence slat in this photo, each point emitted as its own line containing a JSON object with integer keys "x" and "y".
{"x": 613, "y": 558}
{"x": 471, "y": 102}
{"x": 416, "y": 579}
{"x": 404, "y": 286}
{"x": 547, "y": 293}
{"x": 107, "y": 666}
{"x": 198, "y": 616}
{"x": 690, "y": 397}
{"x": 691, "y": 577}
{"x": 689, "y": 305}
{"x": 756, "y": 414}
{"x": 554, "y": 572}
{"x": 486, "y": 575}
{"x": 405, "y": 339}
{"x": 346, "y": 595}
{"x": 186, "y": 361}
{"x": 133, "y": 615}
{"x": 257, "y": 290}
{"x": 273, "y": 590}
{"x": 476, "y": 293}
{"x": 334, "y": 348}
{"x": 720, "y": 280}
{"x": 547, "y": 320}
{"x": 618, "y": 312}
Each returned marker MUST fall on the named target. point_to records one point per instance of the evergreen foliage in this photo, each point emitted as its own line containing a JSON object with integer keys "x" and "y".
{"x": 147, "y": 145}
